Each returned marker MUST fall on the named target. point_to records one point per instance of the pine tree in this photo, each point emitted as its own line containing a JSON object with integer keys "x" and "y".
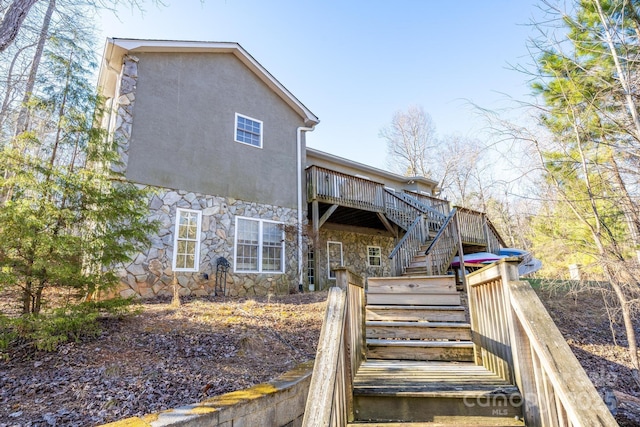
{"x": 70, "y": 219}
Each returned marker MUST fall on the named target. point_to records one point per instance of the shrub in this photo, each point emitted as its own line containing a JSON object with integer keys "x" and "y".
{"x": 45, "y": 332}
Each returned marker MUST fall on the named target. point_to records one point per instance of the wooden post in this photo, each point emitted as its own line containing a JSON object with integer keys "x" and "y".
{"x": 463, "y": 274}
{"x": 315, "y": 222}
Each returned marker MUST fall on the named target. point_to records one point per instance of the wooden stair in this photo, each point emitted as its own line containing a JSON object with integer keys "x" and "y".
{"x": 418, "y": 264}
{"x": 419, "y": 369}
{"x": 416, "y": 318}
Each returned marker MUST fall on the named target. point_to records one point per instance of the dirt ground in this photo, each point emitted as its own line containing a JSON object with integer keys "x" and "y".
{"x": 164, "y": 357}
{"x": 599, "y": 345}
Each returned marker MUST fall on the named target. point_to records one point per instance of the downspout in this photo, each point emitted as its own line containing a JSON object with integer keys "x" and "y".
{"x": 300, "y": 224}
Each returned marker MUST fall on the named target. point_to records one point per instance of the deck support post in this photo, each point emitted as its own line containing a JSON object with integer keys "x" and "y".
{"x": 315, "y": 223}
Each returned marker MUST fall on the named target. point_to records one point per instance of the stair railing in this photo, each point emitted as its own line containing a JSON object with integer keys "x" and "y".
{"x": 494, "y": 240}
{"x": 443, "y": 247}
{"x": 398, "y": 210}
{"x": 408, "y": 246}
{"x": 515, "y": 338}
{"x": 433, "y": 217}
{"x": 341, "y": 350}
{"x": 440, "y": 205}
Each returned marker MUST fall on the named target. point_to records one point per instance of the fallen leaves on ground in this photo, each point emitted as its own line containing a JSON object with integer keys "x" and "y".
{"x": 161, "y": 358}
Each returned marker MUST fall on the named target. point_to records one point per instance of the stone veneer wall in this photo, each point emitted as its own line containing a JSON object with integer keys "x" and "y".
{"x": 123, "y": 107}
{"x": 150, "y": 273}
{"x": 354, "y": 254}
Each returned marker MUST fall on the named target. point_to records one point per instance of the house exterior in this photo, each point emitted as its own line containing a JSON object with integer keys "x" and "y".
{"x": 222, "y": 143}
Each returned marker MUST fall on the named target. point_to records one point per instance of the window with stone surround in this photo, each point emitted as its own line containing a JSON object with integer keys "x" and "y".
{"x": 374, "y": 256}
{"x": 248, "y": 131}
{"x": 259, "y": 246}
{"x": 186, "y": 244}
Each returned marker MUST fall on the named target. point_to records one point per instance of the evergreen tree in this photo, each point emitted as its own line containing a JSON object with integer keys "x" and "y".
{"x": 70, "y": 218}
{"x": 585, "y": 84}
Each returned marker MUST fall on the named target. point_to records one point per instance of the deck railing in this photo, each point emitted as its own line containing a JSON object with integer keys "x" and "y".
{"x": 515, "y": 337}
{"x": 402, "y": 255}
{"x": 443, "y": 247}
{"x": 325, "y": 185}
{"x": 472, "y": 226}
{"x": 340, "y": 352}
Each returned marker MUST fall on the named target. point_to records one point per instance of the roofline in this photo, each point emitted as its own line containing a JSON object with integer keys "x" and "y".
{"x": 350, "y": 163}
{"x": 116, "y": 48}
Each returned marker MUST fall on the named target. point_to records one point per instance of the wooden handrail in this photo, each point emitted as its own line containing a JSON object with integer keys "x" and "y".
{"x": 399, "y": 210}
{"x": 434, "y": 218}
{"x": 515, "y": 337}
{"x": 440, "y": 205}
{"x": 403, "y": 253}
{"x": 443, "y": 247}
{"x": 340, "y": 352}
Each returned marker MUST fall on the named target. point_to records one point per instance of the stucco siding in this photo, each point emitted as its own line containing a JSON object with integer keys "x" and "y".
{"x": 184, "y": 123}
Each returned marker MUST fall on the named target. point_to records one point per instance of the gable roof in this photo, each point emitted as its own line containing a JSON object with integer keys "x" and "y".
{"x": 116, "y": 48}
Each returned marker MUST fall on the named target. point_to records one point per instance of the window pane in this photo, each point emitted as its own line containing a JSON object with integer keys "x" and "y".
{"x": 271, "y": 233}
{"x": 190, "y": 261}
{"x": 272, "y": 258}
{"x": 248, "y": 231}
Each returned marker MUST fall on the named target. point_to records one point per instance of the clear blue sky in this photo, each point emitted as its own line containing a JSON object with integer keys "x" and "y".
{"x": 354, "y": 63}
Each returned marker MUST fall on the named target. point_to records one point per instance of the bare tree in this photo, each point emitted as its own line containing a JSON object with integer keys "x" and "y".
{"x": 411, "y": 142}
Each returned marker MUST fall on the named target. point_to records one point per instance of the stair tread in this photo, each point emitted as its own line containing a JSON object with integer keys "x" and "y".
{"x": 418, "y": 343}
{"x": 447, "y": 421}
{"x": 415, "y": 307}
{"x": 428, "y": 379}
{"x": 460, "y": 391}
{"x": 420, "y": 324}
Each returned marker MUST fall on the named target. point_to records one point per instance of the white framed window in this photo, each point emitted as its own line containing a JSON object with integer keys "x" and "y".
{"x": 374, "y": 256}
{"x": 186, "y": 242}
{"x": 259, "y": 246}
{"x": 248, "y": 131}
{"x": 334, "y": 258}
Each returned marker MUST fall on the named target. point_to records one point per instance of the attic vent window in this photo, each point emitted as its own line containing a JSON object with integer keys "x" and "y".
{"x": 248, "y": 131}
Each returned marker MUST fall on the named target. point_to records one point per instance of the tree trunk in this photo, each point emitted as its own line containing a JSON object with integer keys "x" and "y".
{"x": 12, "y": 21}
{"x": 37, "y": 298}
{"x": 26, "y": 297}
{"x": 628, "y": 326}
{"x": 23, "y": 117}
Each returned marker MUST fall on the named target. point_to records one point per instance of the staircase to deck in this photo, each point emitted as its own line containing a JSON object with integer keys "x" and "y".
{"x": 419, "y": 369}
{"x": 368, "y": 372}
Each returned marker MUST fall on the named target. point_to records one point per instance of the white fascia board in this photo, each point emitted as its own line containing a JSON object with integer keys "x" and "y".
{"x": 121, "y": 46}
